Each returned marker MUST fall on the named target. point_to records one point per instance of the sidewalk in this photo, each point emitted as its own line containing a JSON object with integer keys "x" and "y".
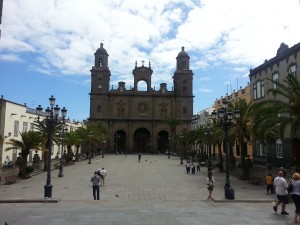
{"x": 155, "y": 191}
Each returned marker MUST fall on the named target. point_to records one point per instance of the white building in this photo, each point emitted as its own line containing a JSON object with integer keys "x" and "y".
{"x": 16, "y": 118}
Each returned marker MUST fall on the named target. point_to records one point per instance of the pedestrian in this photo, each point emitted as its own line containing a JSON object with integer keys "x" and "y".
{"x": 198, "y": 167}
{"x": 281, "y": 191}
{"x": 193, "y": 168}
{"x": 296, "y": 195}
{"x": 103, "y": 174}
{"x": 210, "y": 182}
{"x": 140, "y": 156}
{"x": 96, "y": 189}
{"x": 269, "y": 182}
{"x": 97, "y": 161}
{"x": 188, "y": 167}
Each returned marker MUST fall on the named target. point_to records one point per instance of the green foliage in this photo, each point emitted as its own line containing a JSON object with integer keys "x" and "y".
{"x": 28, "y": 170}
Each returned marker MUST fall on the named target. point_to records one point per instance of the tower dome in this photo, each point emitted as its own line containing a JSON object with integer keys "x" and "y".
{"x": 101, "y": 57}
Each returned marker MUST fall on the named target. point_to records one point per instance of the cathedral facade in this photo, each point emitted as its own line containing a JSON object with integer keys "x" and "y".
{"x": 139, "y": 121}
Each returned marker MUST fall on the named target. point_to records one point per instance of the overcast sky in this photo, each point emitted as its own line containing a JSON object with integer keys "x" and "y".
{"x": 47, "y": 47}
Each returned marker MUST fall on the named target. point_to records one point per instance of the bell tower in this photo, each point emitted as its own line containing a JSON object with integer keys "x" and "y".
{"x": 100, "y": 78}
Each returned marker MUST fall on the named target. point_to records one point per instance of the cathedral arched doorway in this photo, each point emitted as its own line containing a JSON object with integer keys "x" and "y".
{"x": 120, "y": 142}
{"x": 142, "y": 141}
{"x": 163, "y": 142}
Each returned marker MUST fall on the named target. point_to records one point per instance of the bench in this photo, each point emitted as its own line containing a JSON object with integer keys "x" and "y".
{"x": 11, "y": 179}
{"x": 255, "y": 180}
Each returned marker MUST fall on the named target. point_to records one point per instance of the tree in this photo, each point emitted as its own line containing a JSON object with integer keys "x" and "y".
{"x": 30, "y": 140}
{"x": 44, "y": 130}
{"x": 173, "y": 123}
{"x": 241, "y": 130}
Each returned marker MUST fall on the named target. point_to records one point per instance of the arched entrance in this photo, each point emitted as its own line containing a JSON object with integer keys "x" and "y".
{"x": 163, "y": 142}
{"x": 120, "y": 142}
{"x": 142, "y": 141}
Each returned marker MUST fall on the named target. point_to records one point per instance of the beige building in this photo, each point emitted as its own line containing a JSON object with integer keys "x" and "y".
{"x": 284, "y": 152}
{"x": 242, "y": 93}
{"x": 137, "y": 118}
{"x": 16, "y": 118}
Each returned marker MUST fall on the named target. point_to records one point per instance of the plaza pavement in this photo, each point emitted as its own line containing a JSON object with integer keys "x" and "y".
{"x": 155, "y": 191}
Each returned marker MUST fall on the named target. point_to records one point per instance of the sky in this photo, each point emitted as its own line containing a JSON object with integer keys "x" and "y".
{"x": 47, "y": 47}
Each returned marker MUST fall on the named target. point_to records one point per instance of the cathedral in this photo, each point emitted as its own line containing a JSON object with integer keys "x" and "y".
{"x": 138, "y": 121}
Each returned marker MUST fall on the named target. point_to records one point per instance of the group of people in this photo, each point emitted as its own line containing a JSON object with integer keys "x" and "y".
{"x": 191, "y": 168}
{"x": 98, "y": 179}
{"x": 7, "y": 163}
{"x": 282, "y": 190}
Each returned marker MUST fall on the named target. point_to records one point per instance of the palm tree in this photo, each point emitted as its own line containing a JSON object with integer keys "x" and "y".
{"x": 44, "y": 131}
{"x": 30, "y": 140}
{"x": 173, "y": 123}
{"x": 242, "y": 130}
{"x": 280, "y": 115}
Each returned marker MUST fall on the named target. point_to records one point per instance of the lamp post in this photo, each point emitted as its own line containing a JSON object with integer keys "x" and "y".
{"x": 182, "y": 141}
{"x": 104, "y": 141}
{"x": 52, "y": 121}
{"x": 61, "y": 166}
{"x": 90, "y": 155}
{"x": 208, "y": 133}
{"x": 117, "y": 137}
{"x": 9, "y": 134}
{"x": 225, "y": 121}
{"x": 169, "y": 138}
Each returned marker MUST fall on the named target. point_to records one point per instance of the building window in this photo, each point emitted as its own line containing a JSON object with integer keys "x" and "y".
{"x": 279, "y": 152}
{"x": 275, "y": 78}
{"x": 238, "y": 151}
{"x": 25, "y": 125}
{"x": 184, "y": 110}
{"x": 293, "y": 70}
{"x": 258, "y": 89}
{"x": 98, "y": 108}
{"x": 16, "y": 128}
{"x": 100, "y": 62}
{"x": 31, "y": 127}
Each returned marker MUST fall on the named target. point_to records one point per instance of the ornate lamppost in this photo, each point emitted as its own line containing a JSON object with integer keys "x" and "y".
{"x": 169, "y": 144}
{"x": 208, "y": 133}
{"x": 225, "y": 121}
{"x": 61, "y": 166}
{"x": 90, "y": 155}
{"x": 117, "y": 137}
{"x": 183, "y": 142}
{"x": 52, "y": 121}
{"x": 104, "y": 141}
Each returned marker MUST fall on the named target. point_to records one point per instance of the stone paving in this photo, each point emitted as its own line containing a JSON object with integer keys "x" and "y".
{"x": 155, "y": 191}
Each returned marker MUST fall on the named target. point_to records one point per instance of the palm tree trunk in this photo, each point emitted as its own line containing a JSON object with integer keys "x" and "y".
{"x": 221, "y": 166}
{"x": 23, "y": 166}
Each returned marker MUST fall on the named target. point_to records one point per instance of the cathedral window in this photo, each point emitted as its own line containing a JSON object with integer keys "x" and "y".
{"x": 98, "y": 108}
{"x": 184, "y": 110}
{"x": 100, "y": 62}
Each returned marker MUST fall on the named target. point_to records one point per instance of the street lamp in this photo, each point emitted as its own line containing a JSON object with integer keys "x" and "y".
{"x": 9, "y": 134}
{"x": 52, "y": 121}
{"x": 117, "y": 137}
{"x": 104, "y": 141}
{"x": 225, "y": 121}
{"x": 90, "y": 155}
{"x": 208, "y": 134}
{"x": 182, "y": 141}
{"x": 61, "y": 166}
{"x": 169, "y": 138}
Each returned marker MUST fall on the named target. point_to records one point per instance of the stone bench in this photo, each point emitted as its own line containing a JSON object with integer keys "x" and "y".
{"x": 11, "y": 179}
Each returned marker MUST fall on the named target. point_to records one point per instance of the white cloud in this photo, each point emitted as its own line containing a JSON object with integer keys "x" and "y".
{"x": 10, "y": 58}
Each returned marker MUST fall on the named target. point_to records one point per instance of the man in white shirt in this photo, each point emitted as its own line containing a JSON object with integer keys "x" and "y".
{"x": 281, "y": 186}
{"x": 103, "y": 174}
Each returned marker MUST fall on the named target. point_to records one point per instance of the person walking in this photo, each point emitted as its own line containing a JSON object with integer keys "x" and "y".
{"x": 210, "y": 182}
{"x": 188, "y": 167}
{"x": 103, "y": 174}
{"x": 193, "y": 168}
{"x": 296, "y": 195}
{"x": 140, "y": 156}
{"x": 269, "y": 182}
{"x": 281, "y": 191}
{"x": 198, "y": 167}
{"x": 96, "y": 189}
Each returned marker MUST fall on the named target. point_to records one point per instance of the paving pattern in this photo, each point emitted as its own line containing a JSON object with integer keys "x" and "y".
{"x": 155, "y": 191}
